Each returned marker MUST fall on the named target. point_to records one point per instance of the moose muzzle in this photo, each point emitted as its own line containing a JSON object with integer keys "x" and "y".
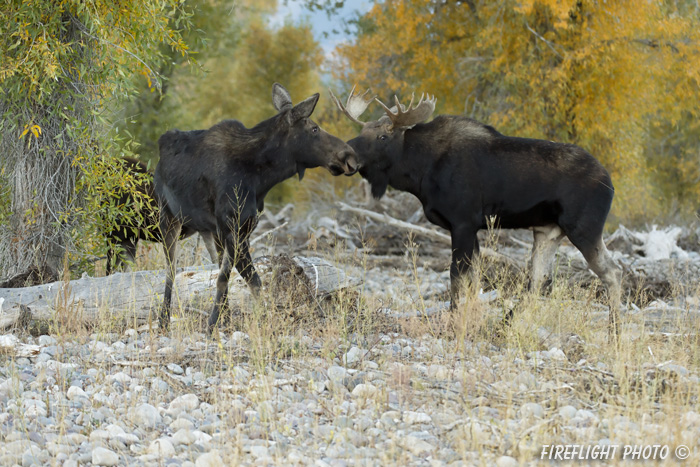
{"x": 345, "y": 163}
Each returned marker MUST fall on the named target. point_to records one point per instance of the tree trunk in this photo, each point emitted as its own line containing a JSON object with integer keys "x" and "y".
{"x": 40, "y": 167}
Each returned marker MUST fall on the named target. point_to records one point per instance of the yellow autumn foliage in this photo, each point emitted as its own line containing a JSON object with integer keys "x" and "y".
{"x": 598, "y": 74}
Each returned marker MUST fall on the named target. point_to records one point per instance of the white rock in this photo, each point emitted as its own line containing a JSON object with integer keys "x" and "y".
{"x": 557, "y": 354}
{"x": 128, "y": 438}
{"x": 76, "y": 438}
{"x": 120, "y": 377}
{"x": 210, "y": 459}
{"x": 507, "y": 461}
{"x": 114, "y": 430}
{"x": 17, "y": 447}
{"x": 184, "y": 436}
{"x": 201, "y": 437}
{"x": 161, "y": 447}
{"x": 413, "y": 418}
{"x": 674, "y": 368}
{"x": 567, "y": 412}
{"x": 181, "y": 423}
{"x": 531, "y": 409}
{"x": 103, "y": 456}
{"x": 439, "y": 372}
{"x": 98, "y": 435}
{"x": 74, "y": 392}
{"x": 185, "y": 402}
{"x": 35, "y": 410}
{"x": 318, "y": 386}
{"x": 586, "y": 414}
{"x": 145, "y": 415}
{"x": 241, "y": 375}
{"x": 8, "y": 340}
{"x": 166, "y": 350}
{"x": 417, "y": 446}
{"x": 353, "y": 356}
{"x": 526, "y": 379}
{"x": 239, "y": 336}
{"x": 364, "y": 391}
{"x": 690, "y": 418}
{"x": 369, "y": 365}
{"x": 295, "y": 457}
{"x": 46, "y": 341}
{"x": 337, "y": 373}
{"x": 11, "y": 387}
{"x": 55, "y": 448}
{"x": 259, "y": 451}
{"x": 661, "y": 244}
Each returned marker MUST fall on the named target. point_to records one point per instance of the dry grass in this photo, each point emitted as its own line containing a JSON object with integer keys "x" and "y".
{"x": 472, "y": 374}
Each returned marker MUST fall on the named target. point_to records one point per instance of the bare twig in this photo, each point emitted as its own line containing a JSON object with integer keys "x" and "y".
{"x": 263, "y": 235}
{"x": 549, "y": 44}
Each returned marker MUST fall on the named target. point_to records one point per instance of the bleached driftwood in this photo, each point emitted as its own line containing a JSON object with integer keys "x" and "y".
{"x": 426, "y": 232}
{"x": 11, "y": 345}
{"x": 135, "y": 295}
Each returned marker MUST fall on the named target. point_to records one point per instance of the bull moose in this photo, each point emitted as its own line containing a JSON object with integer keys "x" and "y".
{"x": 216, "y": 180}
{"x": 465, "y": 172}
{"x": 144, "y": 224}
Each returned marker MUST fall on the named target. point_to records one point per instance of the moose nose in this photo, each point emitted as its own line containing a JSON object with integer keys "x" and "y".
{"x": 351, "y": 165}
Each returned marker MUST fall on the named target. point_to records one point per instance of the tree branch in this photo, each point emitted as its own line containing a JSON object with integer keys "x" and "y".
{"x": 430, "y": 233}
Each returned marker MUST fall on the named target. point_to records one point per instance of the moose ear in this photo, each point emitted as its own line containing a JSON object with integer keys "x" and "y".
{"x": 280, "y": 97}
{"x": 305, "y": 108}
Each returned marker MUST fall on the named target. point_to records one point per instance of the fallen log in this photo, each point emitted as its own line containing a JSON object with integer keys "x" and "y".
{"x": 136, "y": 296}
{"x": 426, "y": 232}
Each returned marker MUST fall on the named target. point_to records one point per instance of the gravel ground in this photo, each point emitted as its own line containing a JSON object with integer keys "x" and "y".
{"x": 131, "y": 399}
{"x": 400, "y": 395}
{"x": 140, "y": 398}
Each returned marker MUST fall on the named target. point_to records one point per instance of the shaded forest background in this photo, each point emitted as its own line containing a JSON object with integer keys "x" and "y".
{"x": 86, "y": 83}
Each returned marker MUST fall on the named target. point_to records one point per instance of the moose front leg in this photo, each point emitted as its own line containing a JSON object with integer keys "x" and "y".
{"x": 464, "y": 245}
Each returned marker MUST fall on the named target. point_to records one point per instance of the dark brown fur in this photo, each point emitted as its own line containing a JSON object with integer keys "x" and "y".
{"x": 216, "y": 180}
{"x": 465, "y": 172}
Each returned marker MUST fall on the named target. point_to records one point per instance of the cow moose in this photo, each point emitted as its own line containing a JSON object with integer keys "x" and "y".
{"x": 465, "y": 172}
{"x": 144, "y": 225}
{"x": 216, "y": 180}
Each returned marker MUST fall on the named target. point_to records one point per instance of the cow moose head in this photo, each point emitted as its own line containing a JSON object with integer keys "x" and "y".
{"x": 308, "y": 144}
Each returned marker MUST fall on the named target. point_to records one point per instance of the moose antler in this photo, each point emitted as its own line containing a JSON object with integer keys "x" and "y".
{"x": 355, "y": 106}
{"x": 406, "y": 117}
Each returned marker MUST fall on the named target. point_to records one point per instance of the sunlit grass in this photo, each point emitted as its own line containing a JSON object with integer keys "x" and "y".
{"x": 465, "y": 367}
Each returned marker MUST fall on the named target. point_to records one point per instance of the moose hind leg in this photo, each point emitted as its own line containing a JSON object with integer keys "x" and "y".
{"x": 237, "y": 254}
{"x": 546, "y": 241}
{"x": 601, "y": 262}
{"x": 221, "y": 289}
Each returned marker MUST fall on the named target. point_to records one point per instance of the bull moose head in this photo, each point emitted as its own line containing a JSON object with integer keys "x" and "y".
{"x": 380, "y": 143}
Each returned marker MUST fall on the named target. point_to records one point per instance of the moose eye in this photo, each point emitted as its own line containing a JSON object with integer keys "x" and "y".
{"x": 382, "y": 137}
{"x": 314, "y": 129}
